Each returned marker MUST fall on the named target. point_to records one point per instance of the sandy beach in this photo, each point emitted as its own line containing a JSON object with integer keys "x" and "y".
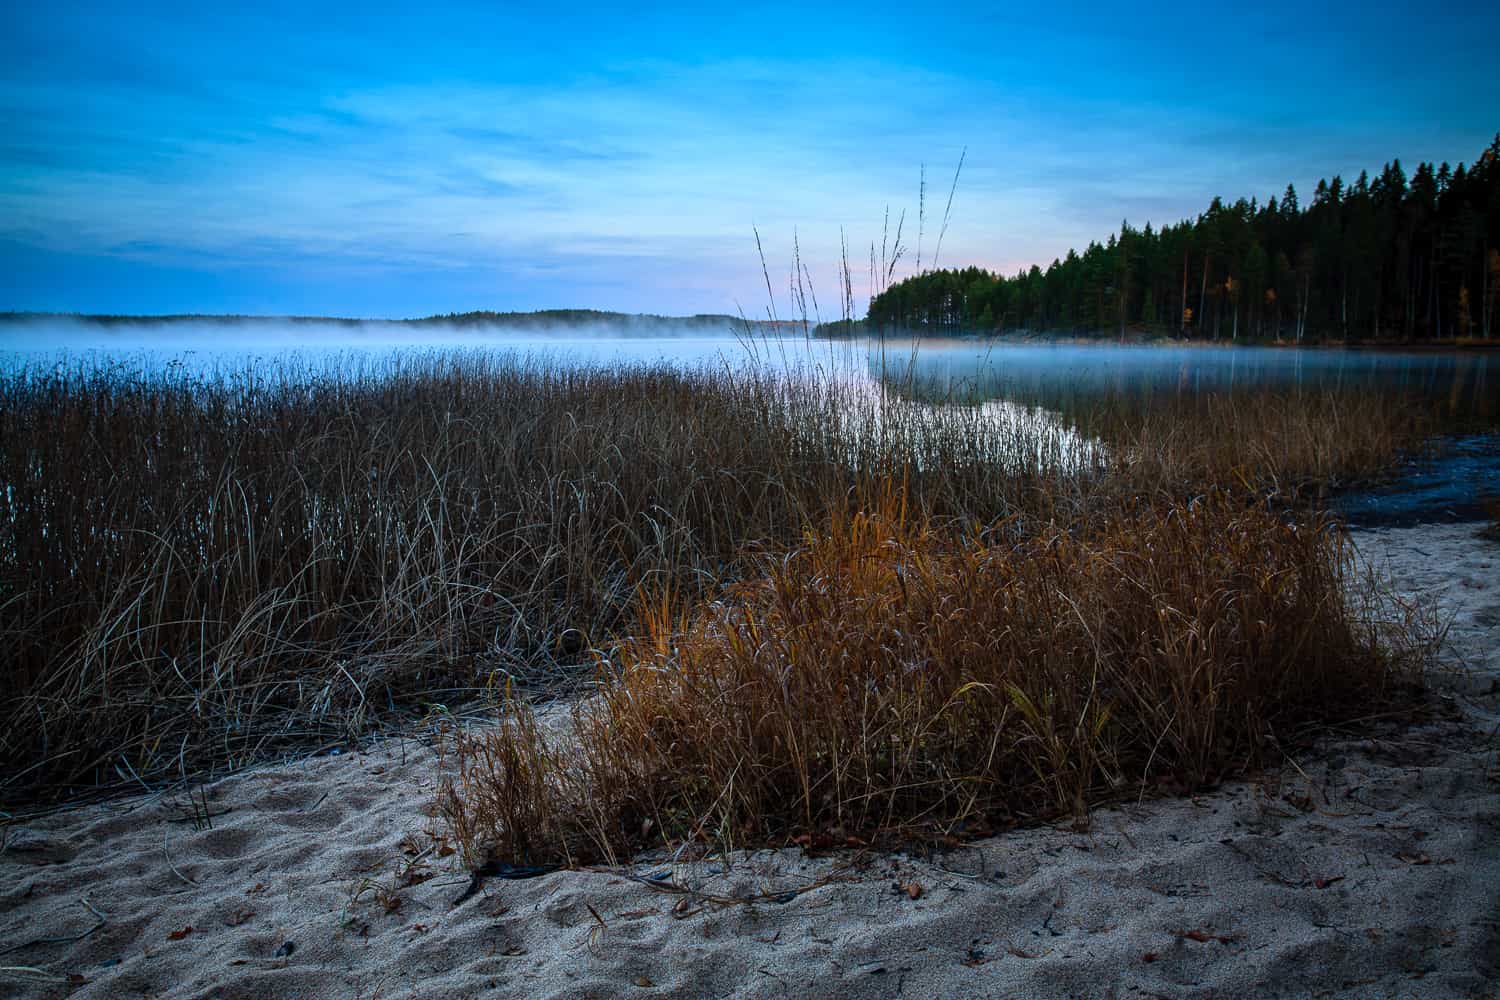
{"x": 1368, "y": 867}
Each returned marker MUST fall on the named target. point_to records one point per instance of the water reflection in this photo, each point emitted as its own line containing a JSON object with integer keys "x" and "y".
{"x": 1459, "y": 384}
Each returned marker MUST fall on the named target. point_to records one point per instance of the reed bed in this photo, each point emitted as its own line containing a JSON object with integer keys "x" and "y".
{"x": 887, "y": 679}
{"x": 198, "y": 571}
{"x": 1291, "y": 442}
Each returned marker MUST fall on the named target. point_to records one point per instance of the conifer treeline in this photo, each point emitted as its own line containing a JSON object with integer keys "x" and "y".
{"x": 1384, "y": 258}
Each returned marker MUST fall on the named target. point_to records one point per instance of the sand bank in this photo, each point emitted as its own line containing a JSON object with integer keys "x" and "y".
{"x": 1367, "y": 868}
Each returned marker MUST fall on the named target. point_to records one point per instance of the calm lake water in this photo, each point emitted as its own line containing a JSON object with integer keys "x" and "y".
{"x": 930, "y": 368}
{"x": 1463, "y": 387}
{"x": 1461, "y": 384}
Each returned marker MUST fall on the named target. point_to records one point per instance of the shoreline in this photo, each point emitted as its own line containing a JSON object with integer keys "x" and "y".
{"x": 1363, "y": 869}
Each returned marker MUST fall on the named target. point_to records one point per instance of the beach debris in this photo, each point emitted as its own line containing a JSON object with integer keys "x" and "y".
{"x": 596, "y": 932}
{"x": 661, "y": 881}
{"x": 501, "y": 869}
{"x": 179, "y": 935}
{"x": 827, "y": 840}
{"x": 102, "y": 920}
{"x": 638, "y": 914}
{"x": 1203, "y": 937}
{"x": 33, "y": 974}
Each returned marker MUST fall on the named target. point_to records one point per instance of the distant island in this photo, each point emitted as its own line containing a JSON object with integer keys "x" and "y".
{"x": 539, "y": 320}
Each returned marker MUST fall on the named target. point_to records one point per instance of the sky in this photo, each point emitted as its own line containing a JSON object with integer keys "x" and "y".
{"x": 409, "y": 160}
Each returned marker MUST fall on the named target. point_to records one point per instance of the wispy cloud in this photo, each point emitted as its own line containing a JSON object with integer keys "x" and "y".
{"x": 636, "y": 158}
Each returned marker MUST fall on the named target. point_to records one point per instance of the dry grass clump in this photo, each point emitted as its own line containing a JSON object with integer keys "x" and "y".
{"x": 194, "y": 572}
{"x": 1288, "y": 441}
{"x": 885, "y": 677}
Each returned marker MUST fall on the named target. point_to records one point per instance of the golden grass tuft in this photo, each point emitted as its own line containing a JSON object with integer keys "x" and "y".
{"x": 1290, "y": 442}
{"x": 886, "y": 678}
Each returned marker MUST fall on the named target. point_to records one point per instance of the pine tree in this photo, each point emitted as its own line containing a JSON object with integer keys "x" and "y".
{"x": 1384, "y": 255}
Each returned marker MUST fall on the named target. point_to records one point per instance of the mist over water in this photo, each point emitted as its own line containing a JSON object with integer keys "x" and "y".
{"x": 927, "y": 369}
{"x": 232, "y": 346}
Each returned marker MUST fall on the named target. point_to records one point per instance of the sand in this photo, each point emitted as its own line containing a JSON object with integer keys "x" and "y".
{"x": 1366, "y": 868}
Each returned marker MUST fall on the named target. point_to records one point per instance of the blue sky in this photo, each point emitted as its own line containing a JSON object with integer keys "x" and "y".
{"x": 400, "y": 162}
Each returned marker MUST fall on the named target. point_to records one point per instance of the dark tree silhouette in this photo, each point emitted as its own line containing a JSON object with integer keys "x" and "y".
{"x": 1383, "y": 258}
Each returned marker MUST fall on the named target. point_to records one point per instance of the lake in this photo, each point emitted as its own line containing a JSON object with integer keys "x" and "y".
{"x": 1459, "y": 387}
{"x": 973, "y": 369}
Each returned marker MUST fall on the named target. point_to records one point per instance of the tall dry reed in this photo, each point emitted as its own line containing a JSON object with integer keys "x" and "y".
{"x": 196, "y": 571}
{"x": 1288, "y": 441}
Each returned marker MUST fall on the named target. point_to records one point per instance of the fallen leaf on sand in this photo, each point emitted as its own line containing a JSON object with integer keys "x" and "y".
{"x": 1204, "y": 937}
{"x": 179, "y": 935}
{"x": 643, "y": 982}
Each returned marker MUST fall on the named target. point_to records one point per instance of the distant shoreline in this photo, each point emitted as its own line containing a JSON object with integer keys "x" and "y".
{"x": 540, "y": 317}
{"x": 544, "y": 319}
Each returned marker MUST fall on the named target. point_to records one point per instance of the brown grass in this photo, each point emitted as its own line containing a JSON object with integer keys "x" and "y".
{"x": 195, "y": 573}
{"x": 885, "y": 678}
{"x": 1290, "y": 442}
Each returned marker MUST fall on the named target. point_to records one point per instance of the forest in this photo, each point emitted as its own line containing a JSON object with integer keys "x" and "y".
{"x": 1386, "y": 258}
